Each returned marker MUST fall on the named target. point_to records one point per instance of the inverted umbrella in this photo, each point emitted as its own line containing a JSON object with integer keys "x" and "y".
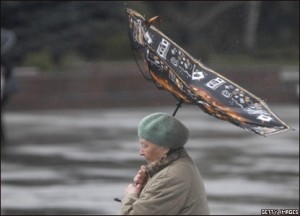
{"x": 175, "y": 70}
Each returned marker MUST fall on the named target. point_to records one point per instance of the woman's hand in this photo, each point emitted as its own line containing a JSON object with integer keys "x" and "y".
{"x": 134, "y": 190}
{"x": 139, "y": 180}
{"x": 141, "y": 177}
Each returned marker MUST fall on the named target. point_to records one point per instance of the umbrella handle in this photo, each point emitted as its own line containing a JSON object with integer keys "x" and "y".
{"x": 117, "y": 200}
{"x": 178, "y": 105}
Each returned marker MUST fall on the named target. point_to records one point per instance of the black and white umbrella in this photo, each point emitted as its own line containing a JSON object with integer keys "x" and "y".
{"x": 175, "y": 70}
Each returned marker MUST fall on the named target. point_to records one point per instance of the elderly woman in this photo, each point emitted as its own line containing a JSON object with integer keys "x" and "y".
{"x": 170, "y": 184}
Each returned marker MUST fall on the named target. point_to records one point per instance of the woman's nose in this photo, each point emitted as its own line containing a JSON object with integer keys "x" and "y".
{"x": 141, "y": 152}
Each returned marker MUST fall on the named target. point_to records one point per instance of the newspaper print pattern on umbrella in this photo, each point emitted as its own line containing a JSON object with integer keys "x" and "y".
{"x": 175, "y": 70}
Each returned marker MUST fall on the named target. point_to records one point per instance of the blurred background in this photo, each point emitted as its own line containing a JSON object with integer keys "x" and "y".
{"x": 72, "y": 96}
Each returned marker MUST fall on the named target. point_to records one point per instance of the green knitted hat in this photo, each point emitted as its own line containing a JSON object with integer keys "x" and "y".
{"x": 163, "y": 130}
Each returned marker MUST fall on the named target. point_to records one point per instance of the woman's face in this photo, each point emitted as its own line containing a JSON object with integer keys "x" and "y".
{"x": 151, "y": 152}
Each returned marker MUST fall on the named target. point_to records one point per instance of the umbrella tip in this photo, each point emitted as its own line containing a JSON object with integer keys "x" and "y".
{"x": 152, "y": 20}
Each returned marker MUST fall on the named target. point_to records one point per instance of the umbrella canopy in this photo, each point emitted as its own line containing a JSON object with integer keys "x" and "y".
{"x": 175, "y": 70}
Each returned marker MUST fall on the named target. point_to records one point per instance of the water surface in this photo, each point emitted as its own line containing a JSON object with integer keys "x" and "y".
{"x": 77, "y": 162}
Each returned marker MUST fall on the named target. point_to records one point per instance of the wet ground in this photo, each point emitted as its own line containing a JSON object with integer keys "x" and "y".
{"x": 77, "y": 162}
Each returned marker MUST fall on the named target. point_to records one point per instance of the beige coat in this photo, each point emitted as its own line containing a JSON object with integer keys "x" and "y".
{"x": 175, "y": 190}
